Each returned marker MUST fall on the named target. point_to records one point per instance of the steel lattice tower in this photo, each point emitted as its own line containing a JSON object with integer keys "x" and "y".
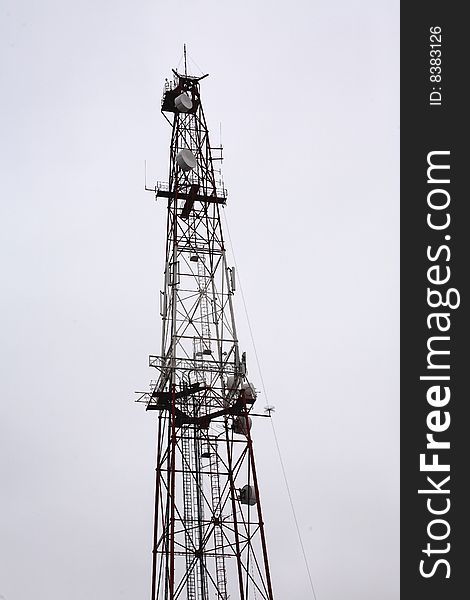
{"x": 209, "y": 541}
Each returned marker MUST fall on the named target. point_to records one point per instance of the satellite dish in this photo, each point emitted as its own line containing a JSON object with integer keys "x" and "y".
{"x": 186, "y": 160}
{"x": 183, "y": 103}
{"x": 248, "y": 495}
{"x": 241, "y": 425}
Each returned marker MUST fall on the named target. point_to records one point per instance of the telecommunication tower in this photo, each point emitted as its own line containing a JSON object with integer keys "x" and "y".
{"x": 208, "y": 541}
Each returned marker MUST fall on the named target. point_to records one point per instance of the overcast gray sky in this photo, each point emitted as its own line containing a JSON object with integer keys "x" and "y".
{"x": 307, "y": 93}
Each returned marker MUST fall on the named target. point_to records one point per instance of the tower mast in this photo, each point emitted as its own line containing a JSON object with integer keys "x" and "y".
{"x": 209, "y": 540}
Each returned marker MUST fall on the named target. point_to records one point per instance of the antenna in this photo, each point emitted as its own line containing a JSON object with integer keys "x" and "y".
{"x": 185, "y": 60}
{"x": 148, "y": 189}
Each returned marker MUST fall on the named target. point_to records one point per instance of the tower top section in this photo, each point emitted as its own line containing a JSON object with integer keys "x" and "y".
{"x": 194, "y": 183}
{"x": 181, "y": 84}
